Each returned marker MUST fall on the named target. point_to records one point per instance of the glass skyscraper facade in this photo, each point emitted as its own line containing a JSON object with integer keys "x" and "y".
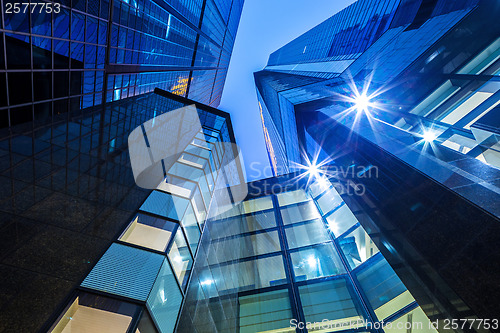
{"x": 293, "y": 257}
{"x": 71, "y": 55}
{"x": 86, "y": 249}
{"x": 76, "y": 79}
{"x": 409, "y": 89}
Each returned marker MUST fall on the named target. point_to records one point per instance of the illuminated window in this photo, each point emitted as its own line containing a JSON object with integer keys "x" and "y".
{"x": 265, "y": 312}
{"x": 148, "y": 231}
{"x": 180, "y": 258}
{"x": 98, "y": 314}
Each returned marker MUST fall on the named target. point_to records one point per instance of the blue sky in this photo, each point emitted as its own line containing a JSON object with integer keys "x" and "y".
{"x": 265, "y": 26}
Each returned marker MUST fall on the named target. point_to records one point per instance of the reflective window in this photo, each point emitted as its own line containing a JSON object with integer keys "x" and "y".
{"x": 416, "y": 319}
{"x": 191, "y": 228}
{"x": 165, "y": 204}
{"x": 384, "y": 290}
{"x": 199, "y": 206}
{"x": 329, "y": 201}
{"x": 310, "y": 233}
{"x": 317, "y": 261}
{"x": 165, "y": 299}
{"x": 288, "y": 198}
{"x": 177, "y": 186}
{"x": 148, "y": 231}
{"x": 180, "y": 258}
{"x": 258, "y": 204}
{"x": 331, "y": 303}
{"x": 299, "y": 212}
{"x": 254, "y": 274}
{"x": 357, "y": 247}
{"x": 92, "y": 313}
{"x": 265, "y": 312}
{"x": 259, "y": 221}
{"x": 146, "y": 324}
{"x": 319, "y": 187}
{"x": 341, "y": 220}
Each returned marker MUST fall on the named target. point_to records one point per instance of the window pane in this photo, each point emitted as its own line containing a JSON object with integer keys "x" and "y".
{"x": 191, "y": 228}
{"x": 91, "y": 313}
{"x": 165, "y": 204}
{"x": 254, "y": 274}
{"x": 319, "y": 187}
{"x": 165, "y": 299}
{"x": 199, "y": 206}
{"x": 313, "y": 232}
{"x": 288, "y": 198}
{"x": 246, "y": 246}
{"x": 341, "y": 220}
{"x": 416, "y": 319}
{"x": 333, "y": 301}
{"x": 180, "y": 258}
{"x": 265, "y": 312}
{"x": 258, "y": 204}
{"x": 300, "y": 212}
{"x": 384, "y": 290}
{"x": 329, "y": 201}
{"x": 148, "y": 231}
{"x": 146, "y": 324}
{"x": 177, "y": 186}
{"x": 357, "y": 247}
{"x": 318, "y": 261}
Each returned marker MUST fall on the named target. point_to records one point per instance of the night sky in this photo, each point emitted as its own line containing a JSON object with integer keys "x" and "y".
{"x": 265, "y": 26}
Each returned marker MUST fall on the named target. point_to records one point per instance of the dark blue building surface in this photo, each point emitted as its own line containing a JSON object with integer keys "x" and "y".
{"x": 410, "y": 88}
{"x": 86, "y": 53}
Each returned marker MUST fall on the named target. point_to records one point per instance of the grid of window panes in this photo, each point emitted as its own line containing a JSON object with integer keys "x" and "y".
{"x": 303, "y": 255}
{"x": 167, "y": 228}
{"x": 78, "y": 56}
{"x": 343, "y": 36}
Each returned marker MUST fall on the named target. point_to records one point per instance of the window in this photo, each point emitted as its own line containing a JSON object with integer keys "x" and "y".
{"x": 333, "y": 301}
{"x": 299, "y": 212}
{"x": 191, "y": 228}
{"x": 357, "y": 247}
{"x": 416, "y": 319}
{"x": 146, "y": 324}
{"x": 180, "y": 258}
{"x": 265, "y": 312}
{"x": 328, "y": 201}
{"x": 255, "y": 274}
{"x": 92, "y": 313}
{"x": 288, "y": 198}
{"x": 165, "y": 204}
{"x": 258, "y": 204}
{"x": 384, "y": 290}
{"x": 341, "y": 220}
{"x": 177, "y": 186}
{"x": 148, "y": 231}
{"x": 317, "y": 261}
{"x": 309, "y": 233}
{"x": 165, "y": 299}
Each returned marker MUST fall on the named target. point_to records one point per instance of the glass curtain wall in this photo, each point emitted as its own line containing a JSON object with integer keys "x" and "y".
{"x": 301, "y": 256}
{"x": 150, "y": 263}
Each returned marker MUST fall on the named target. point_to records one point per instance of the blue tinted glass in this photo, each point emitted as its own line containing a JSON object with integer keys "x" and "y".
{"x": 166, "y": 205}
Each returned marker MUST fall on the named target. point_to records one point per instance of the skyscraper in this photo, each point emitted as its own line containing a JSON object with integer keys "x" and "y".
{"x": 77, "y": 77}
{"x": 71, "y": 55}
{"x": 407, "y": 88}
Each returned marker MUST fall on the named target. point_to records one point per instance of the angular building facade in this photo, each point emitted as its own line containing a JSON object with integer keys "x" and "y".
{"x": 77, "y": 78}
{"x": 70, "y": 55}
{"x": 84, "y": 248}
{"x": 409, "y": 89}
